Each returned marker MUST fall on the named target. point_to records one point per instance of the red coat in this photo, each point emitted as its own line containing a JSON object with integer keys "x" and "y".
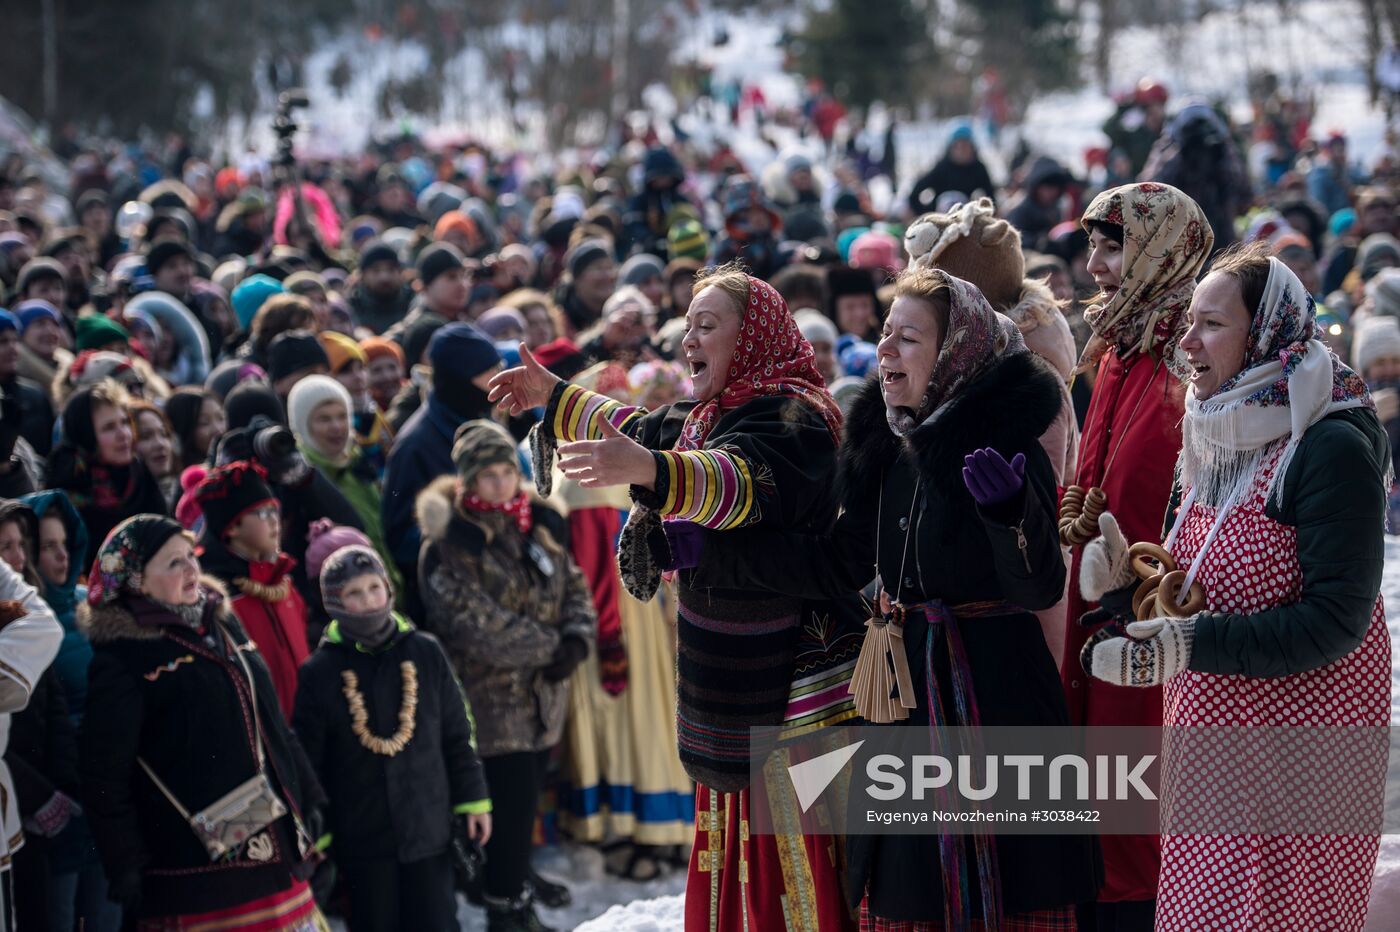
{"x": 278, "y": 628}
{"x": 1132, "y": 435}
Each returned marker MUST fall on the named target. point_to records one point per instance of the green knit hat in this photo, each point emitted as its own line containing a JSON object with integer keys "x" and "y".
{"x": 96, "y": 331}
{"x": 686, "y": 239}
{"x": 481, "y": 443}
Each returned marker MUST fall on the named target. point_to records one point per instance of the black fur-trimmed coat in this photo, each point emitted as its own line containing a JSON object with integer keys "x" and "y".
{"x": 158, "y": 690}
{"x": 959, "y": 553}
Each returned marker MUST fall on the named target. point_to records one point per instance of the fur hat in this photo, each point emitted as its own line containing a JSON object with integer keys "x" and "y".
{"x": 971, "y": 243}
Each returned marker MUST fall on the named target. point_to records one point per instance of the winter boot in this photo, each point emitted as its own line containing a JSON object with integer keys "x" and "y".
{"x": 547, "y": 893}
{"x": 514, "y": 915}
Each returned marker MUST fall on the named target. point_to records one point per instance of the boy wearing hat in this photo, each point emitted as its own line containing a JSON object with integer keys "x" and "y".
{"x": 242, "y": 547}
{"x": 379, "y": 297}
{"x": 42, "y": 336}
{"x": 42, "y": 279}
{"x": 170, "y": 262}
{"x": 382, "y": 718}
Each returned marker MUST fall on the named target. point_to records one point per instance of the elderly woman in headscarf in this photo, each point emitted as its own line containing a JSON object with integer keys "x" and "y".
{"x": 1148, "y": 242}
{"x": 757, "y": 448}
{"x": 1287, "y": 629}
{"x": 181, "y": 712}
{"x": 950, "y": 498}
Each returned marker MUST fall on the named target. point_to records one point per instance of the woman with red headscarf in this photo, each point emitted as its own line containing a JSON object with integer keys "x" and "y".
{"x": 756, "y": 448}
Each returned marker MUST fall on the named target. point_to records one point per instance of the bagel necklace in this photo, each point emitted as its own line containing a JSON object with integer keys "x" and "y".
{"x": 359, "y": 715}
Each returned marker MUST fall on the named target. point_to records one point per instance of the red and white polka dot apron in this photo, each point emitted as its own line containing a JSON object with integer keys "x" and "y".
{"x": 1258, "y": 882}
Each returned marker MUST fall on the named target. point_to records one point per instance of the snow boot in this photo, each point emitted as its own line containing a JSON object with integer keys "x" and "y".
{"x": 514, "y": 915}
{"x": 547, "y": 893}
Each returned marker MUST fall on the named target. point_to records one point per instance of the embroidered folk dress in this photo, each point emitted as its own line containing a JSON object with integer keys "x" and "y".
{"x": 1268, "y": 882}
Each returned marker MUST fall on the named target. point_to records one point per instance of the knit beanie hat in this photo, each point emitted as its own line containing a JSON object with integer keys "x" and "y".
{"x": 499, "y": 320}
{"x": 640, "y": 268}
{"x": 324, "y": 538}
{"x": 375, "y": 251}
{"x": 686, "y": 239}
{"x": 250, "y": 295}
{"x": 229, "y": 492}
{"x": 124, "y": 554}
{"x": 480, "y": 443}
{"x": 165, "y": 249}
{"x": 249, "y": 399}
{"x": 98, "y": 330}
{"x": 378, "y": 347}
{"x": 459, "y": 353}
{"x": 578, "y": 259}
{"x": 879, "y": 251}
{"x": 308, "y": 395}
{"x": 294, "y": 351}
{"x": 971, "y": 243}
{"x": 341, "y": 350}
{"x": 230, "y": 373}
{"x": 1376, "y": 252}
{"x": 815, "y": 326}
{"x": 37, "y": 270}
{"x": 8, "y": 321}
{"x": 454, "y": 221}
{"x": 418, "y": 335}
{"x": 36, "y": 309}
{"x": 338, "y": 570}
{"x": 437, "y": 259}
{"x": 92, "y": 366}
{"x": 1376, "y": 337}
{"x": 1384, "y": 291}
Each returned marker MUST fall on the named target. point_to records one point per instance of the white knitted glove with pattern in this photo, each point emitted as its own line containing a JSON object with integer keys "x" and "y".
{"x": 1155, "y": 650}
{"x": 1105, "y": 566}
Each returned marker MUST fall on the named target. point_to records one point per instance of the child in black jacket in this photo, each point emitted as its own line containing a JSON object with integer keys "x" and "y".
{"x": 384, "y": 721}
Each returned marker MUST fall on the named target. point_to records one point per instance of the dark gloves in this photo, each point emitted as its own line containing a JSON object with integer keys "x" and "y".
{"x": 567, "y": 656}
{"x": 990, "y": 478}
{"x": 612, "y": 665}
{"x": 124, "y": 889}
{"x": 683, "y": 543}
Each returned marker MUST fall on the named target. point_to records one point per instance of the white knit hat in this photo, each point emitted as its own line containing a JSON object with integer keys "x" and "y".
{"x": 308, "y": 394}
{"x": 1384, "y": 291}
{"x": 1376, "y": 337}
{"x": 815, "y": 326}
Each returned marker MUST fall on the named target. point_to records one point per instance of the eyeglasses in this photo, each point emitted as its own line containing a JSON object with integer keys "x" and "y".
{"x": 268, "y": 512}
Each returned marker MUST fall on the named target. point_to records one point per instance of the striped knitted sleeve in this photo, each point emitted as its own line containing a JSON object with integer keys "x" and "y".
{"x": 713, "y": 488}
{"x": 577, "y": 412}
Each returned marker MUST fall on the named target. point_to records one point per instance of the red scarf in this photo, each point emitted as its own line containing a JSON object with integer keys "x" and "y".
{"x": 771, "y": 357}
{"x": 517, "y": 508}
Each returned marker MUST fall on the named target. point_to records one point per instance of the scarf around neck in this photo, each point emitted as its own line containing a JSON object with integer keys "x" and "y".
{"x": 1166, "y": 241}
{"x": 1290, "y": 381}
{"x": 977, "y": 338}
{"x": 771, "y": 357}
{"x": 517, "y": 509}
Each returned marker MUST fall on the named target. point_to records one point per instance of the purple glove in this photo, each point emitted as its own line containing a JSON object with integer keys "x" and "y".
{"x": 685, "y": 539}
{"x": 990, "y": 478}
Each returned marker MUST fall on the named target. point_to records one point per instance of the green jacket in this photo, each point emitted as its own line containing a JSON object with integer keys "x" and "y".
{"x": 357, "y": 484}
{"x": 1334, "y": 494}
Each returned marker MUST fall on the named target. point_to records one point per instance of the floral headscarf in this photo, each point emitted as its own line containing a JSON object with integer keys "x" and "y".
{"x": 1166, "y": 241}
{"x": 119, "y": 564}
{"x": 1290, "y": 380}
{"x": 771, "y": 357}
{"x": 977, "y": 338}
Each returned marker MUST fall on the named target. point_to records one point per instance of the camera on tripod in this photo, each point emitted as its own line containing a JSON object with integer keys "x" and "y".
{"x": 285, "y": 126}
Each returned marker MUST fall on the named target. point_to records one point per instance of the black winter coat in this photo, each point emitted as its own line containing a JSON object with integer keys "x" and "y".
{"x": 380, "y": 806}
{"x": 958, "y": 553}
{"x": 158, "y": 690}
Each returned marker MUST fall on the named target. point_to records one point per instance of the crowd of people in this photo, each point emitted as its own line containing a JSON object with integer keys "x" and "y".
{"x": 366, "y": 521}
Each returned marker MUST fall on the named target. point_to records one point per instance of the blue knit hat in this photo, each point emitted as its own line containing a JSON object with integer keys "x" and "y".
{"x": 251, "y": 294}
{"x": 462, "y": 350}
{"x": 8, "y": 321}
{"x": 36, "y": 309}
